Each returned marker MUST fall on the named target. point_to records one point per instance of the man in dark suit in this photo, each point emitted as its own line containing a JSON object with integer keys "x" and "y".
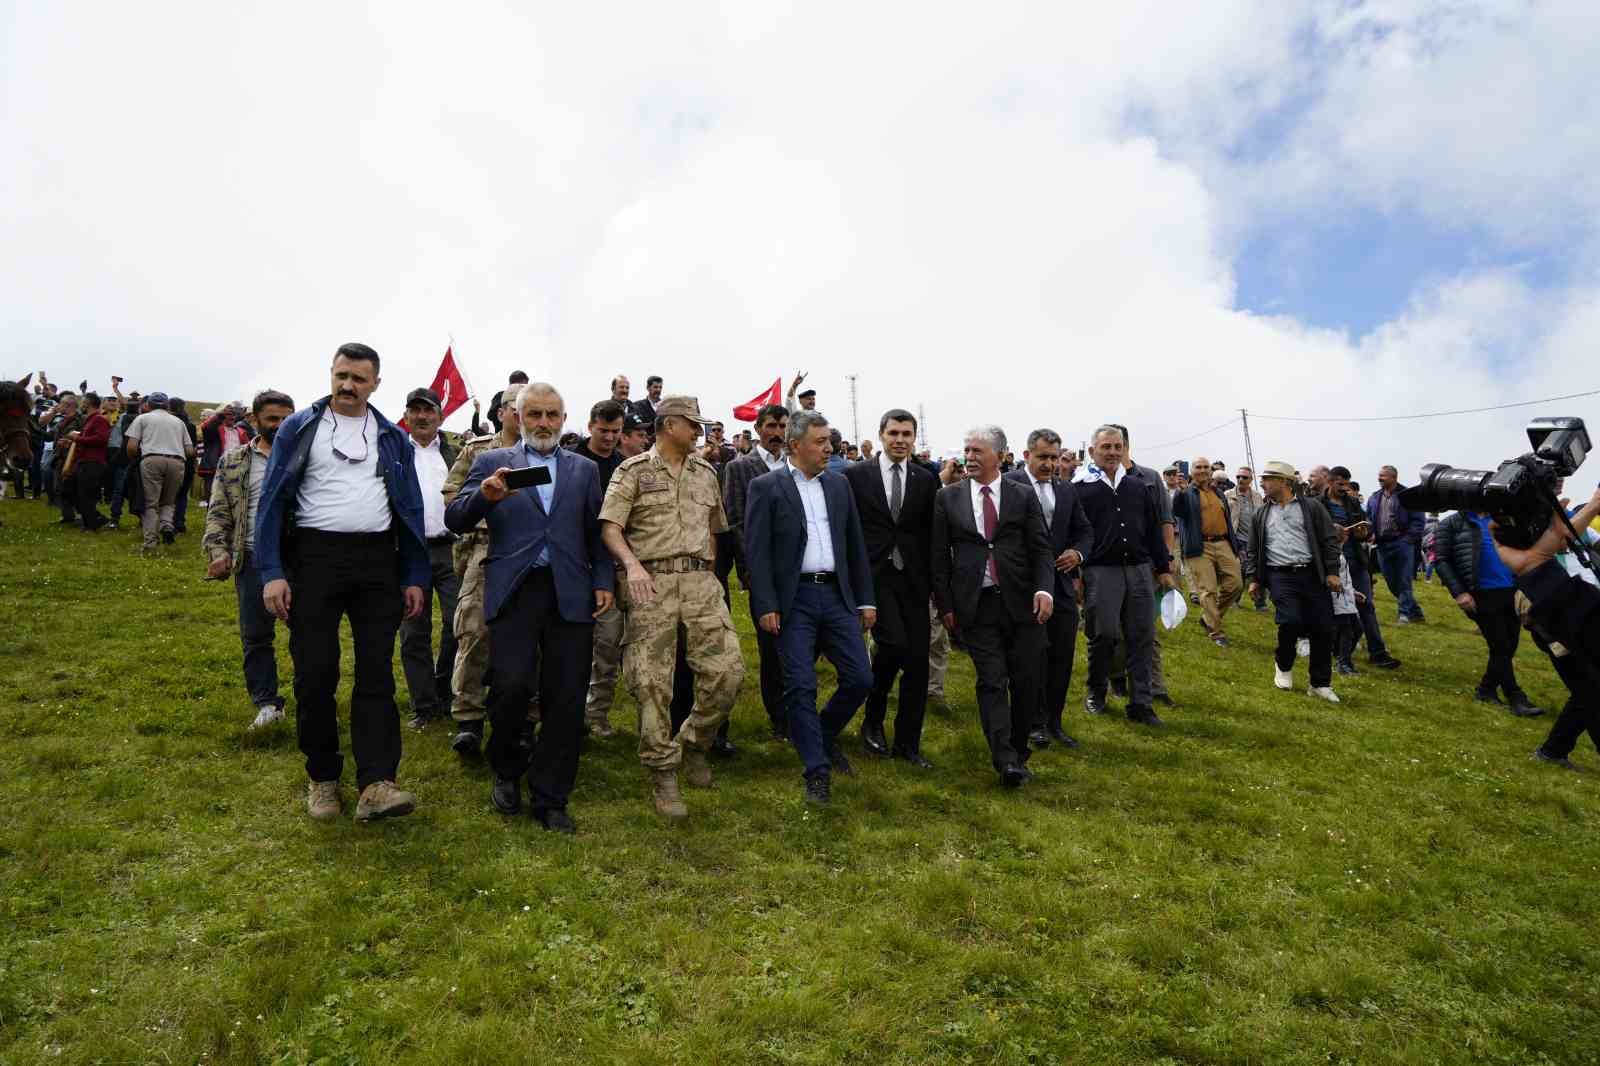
{"x": 1071, "y": 537}
{"x": 771, "y": 423}
{"x": 646, "y": 408}
{"x": 992, "y": 577}
{"x": 894, "y": 495}
{"x": 811, "y": 588}
{"x": 547, "y": 578}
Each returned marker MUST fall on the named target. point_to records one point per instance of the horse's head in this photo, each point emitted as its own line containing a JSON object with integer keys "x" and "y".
{"x": 14, "y": 406}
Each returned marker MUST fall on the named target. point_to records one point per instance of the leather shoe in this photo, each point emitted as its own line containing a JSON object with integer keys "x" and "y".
{"x": 818, "y": 790}
{"x": 1387, "y": 662}
{"x": 841, "y": 765}
{"x": 1144, "y": 716}
{"x": 468, "y": 740}
{"x": 507, "y": 794}
{"x": 1486, "y": 696}
{"x": 1094, "y": 704}
{"x": 915, "y": 758}
{"x": 1522, "y": 707}
{"x": 874, "y": 741}
{"x": 1060, "y": 736}
{"x": 1039, "y": 738}
{"x": 780, "y": 735}
{"x": 723, "y": 747}
{"x": 556, "y": 821}
{"x": 1012, "y": 775}
{"x": 1563, "y": 762}
{"x": 1164, "y": 699}
{"x": 1119, "y": 689}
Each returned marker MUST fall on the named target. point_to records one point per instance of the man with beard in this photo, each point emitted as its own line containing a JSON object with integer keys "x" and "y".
{"x": 230, "y": 541}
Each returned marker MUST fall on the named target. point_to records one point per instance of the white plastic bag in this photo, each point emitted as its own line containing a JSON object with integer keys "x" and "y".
{"x": 1174, "y": 608}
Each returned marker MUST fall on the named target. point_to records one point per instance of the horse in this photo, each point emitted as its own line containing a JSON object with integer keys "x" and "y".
{"x": 16, "y": 452}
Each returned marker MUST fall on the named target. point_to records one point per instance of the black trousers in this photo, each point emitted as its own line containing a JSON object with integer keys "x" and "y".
{"x": 332, "y": 575}
{"x": 1006, "y": 657}
{"x": 900, "y": 648}
{"x": 1582, "y": 711}
{"x": 531, "y": 645}
{"x": 89, "y": 478}
{"x": 1305, "y": 609}
{"x": 1496, "y": 617}
{"x": 1062, "y": 633}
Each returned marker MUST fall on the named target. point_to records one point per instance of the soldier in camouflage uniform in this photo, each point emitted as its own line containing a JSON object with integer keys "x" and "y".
{"x": 472, "y": 632}
{"x": 660, "y": 519}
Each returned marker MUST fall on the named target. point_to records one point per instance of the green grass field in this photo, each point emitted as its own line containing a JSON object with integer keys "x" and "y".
{"x": 1266, "y": 880}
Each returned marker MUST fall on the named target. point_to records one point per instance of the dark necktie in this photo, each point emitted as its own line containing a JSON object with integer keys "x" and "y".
{"x": 895, "y": 500}
{"x": 991, "y": 518}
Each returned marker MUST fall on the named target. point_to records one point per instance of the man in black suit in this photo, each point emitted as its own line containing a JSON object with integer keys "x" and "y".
{"x": 771, "y": 423}
{"x": 894, "y": 494}
{"x": 811, "y": 588}
{"x": 646, "y": 408}
{"x": 1071, "y": 538}
{"x": 992, "y": 577}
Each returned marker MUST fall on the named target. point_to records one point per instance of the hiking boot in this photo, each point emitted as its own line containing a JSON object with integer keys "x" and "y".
{"x": 382, "y": 799}
{"x": 322, "y": 800}
{"x": 818, "y": 790}
{"x": 696, "y": 770}
{"x": 669, "y": 803}
{"x": 601, "y": 729}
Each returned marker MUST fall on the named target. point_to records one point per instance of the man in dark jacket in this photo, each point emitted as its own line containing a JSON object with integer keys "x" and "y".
{"x": 1206, "y": 522}
{"x": 1398, "y": 533}
{"x": 1485, "y": 589}
{"x": 1294, "y": 541}
{"x": 1347, "y": 511}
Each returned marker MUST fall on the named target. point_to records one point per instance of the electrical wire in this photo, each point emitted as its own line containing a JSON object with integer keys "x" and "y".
{"x": 1433, "y": 414}
{"x": 1157, "y": 447}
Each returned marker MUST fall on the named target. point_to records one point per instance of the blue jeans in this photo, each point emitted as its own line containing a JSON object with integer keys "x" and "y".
{"x": 256, "y": 630}
{"x": 1361, "y": 578}
{"x": 119, "y": 489}
{"x": 820, "y": 621}
{"x": 1398, "y": 561}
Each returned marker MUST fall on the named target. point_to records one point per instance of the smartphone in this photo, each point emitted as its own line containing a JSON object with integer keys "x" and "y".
{"x": 527, "y": 477}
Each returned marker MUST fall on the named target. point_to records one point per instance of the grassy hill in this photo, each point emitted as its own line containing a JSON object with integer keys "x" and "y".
{"x": 1268, "y": 879}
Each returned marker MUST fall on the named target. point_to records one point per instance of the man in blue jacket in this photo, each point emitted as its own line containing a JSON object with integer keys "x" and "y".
{"x": 339, "y": 532}
{"x": 811, "y": 588}
{"x": 1398, "y": 533}
{"x": 547, "y": 578}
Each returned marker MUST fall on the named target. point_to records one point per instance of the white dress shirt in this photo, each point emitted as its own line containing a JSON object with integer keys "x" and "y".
{"x": 977, "y": 519}
{"x": 818, "y": 557}
{"x": 337, "y": 496}
{"x": 1046, "y": 491}
{"x": 431, "y": 472}
{"x": 885, "y": 467}
{"x": 774, "y": 462}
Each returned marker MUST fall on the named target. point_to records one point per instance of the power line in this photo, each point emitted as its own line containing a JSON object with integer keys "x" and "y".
{"x": 1192, "y": 436}
{"x": 1434, "y": 414}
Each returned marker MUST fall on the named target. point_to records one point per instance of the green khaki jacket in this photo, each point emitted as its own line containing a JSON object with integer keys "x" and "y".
{"x": 226, "y": 527}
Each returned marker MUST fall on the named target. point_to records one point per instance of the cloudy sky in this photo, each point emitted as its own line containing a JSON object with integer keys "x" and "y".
{"x": 1033, "y": 214}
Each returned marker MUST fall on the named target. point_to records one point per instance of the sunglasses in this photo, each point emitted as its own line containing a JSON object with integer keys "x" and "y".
{"x": 366, "y": 447}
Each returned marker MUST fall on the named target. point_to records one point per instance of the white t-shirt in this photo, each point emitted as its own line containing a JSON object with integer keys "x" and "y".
{"x": 258, "y": 477}
{"x": 340, "y": 496}
{"x": 160, "y": 433}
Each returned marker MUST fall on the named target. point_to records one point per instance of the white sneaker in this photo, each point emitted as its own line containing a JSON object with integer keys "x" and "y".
{"x": 1324, "y": 693}
{"x": 266, "y": 715}
{"x": 1302, "y": 648}
{"x": 1282, "y": 678}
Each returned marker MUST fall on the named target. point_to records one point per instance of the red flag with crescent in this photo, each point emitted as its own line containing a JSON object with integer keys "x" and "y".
{"x": 746, "y": 412}
{"x": 449, "y": 386}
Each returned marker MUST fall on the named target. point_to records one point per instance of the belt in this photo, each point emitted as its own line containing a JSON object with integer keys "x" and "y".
{"x": 821, "y": 577}
{"x": 990, "y": 590}
{"x": 1297, "y": 568}
{"x": 1219, "y": 536}
{"x": 436, "y": 542}
{"x": 677, "y": 564}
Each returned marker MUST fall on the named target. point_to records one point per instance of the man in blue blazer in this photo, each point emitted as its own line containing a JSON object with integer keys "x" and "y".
{"x": 811, "y": 588}
{"x": 547, "y": 578}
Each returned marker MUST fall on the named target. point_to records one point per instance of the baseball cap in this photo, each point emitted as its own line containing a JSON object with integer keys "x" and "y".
{"x": 807, "y": 392}
{"x": 157, "y": 398}
{"x": 427, "y": 396}
{"x": 632, "y": 422}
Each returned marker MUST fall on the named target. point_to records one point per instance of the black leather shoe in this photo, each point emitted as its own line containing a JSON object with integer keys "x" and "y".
{"x": 1487, "y": 696}
{"x": 423, "y": 719}
{"x": 1094, "y": 704}
{"x": 506, "y": 794}
{"x": 874, "y": 741}
{"x": 1039, "y": 738}
{"x": 819, "y": 790}
{"x": 723, "y": 747}
{"x": 1164, "y": 699}
{"x": 1387, "y": 662}
{"x": 468, "y": 740}
{"x": 1545, "y": 757}
{"x": 1345, "y": 669}
{"x": 557, "y": 821}
{"x": 1012, "y": 775}
{"x": 915, "y": 758}
{"x": 841, "y": 765}
{"x": 1119, "y": 689}
{"x": 1060, "y": 736}
{"x": 1144, "y": 716}
{"x": 1522, "y": 707}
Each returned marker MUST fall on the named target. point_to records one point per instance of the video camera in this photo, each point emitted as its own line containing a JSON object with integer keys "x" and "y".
{"x": 1521, "y": 494}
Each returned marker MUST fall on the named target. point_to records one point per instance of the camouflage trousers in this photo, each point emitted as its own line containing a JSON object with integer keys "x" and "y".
{"x": 607, "y": 664}
{"x": 692, "y": 601}
{"x": 472, "y": 632}
{"x": 938, "y": 653}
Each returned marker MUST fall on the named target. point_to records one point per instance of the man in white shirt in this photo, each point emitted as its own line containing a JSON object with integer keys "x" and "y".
{"x": 160, "y": 442}
{"x": 427, "y": 677}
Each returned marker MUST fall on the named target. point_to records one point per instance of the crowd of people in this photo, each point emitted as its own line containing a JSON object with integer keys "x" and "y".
{"x": 562, "y": 564}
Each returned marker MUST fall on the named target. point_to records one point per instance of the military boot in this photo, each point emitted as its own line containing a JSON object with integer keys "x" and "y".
{"x": 669, "y": 804}
{"x": 382, "y": 799}
{"x": 696, "y": 770}
{"x": 322, "y": 800}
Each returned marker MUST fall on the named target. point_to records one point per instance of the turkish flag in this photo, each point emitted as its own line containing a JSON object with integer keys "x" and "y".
{"x": 449, "y": 386}
{"x": 746, "y": 412}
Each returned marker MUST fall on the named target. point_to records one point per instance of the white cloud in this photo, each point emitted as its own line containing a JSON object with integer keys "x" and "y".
{"x": 951, "y": 204}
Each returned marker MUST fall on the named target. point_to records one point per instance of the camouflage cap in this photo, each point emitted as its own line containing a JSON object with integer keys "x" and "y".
{"x": 682, "y": 406}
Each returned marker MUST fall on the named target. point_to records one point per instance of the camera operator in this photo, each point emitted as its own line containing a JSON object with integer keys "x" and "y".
{"x": 1484, "y": 588}
{"x": 1565, "y": 607}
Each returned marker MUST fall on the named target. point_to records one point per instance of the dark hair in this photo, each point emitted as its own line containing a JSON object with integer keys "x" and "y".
{"x": 653, "y": 379}
{"x": 836, "y": 437}
{"x": 897, "y": 414}
{"x": 91, "y": 399}
{"x": 606, "y": 411}
{"x": 270, "y": 398}
{"x": 1340, "y": 471}
{"x": 616, "y": 379}
{"x": 571, "y": 440}
{"x": 360, "y": 353}
{"x": 175, "y": 405}
{"x": 518, "y": 377}
{"x": 1127, "y": 441}
{"x": 771, "y": 410}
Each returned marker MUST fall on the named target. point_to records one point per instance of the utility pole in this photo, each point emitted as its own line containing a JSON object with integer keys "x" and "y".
{"x": 922, "y": 428}
{"x": 855, "y": 419}
{"x": 1249, "y": 453}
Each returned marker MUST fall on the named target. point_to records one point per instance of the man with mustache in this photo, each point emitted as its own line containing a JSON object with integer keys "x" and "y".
{"x": 772, "y": 421}
{"x": 230, "y": 541}
{"x": 427, "y": 678}
{"x": 339, "y": 532}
